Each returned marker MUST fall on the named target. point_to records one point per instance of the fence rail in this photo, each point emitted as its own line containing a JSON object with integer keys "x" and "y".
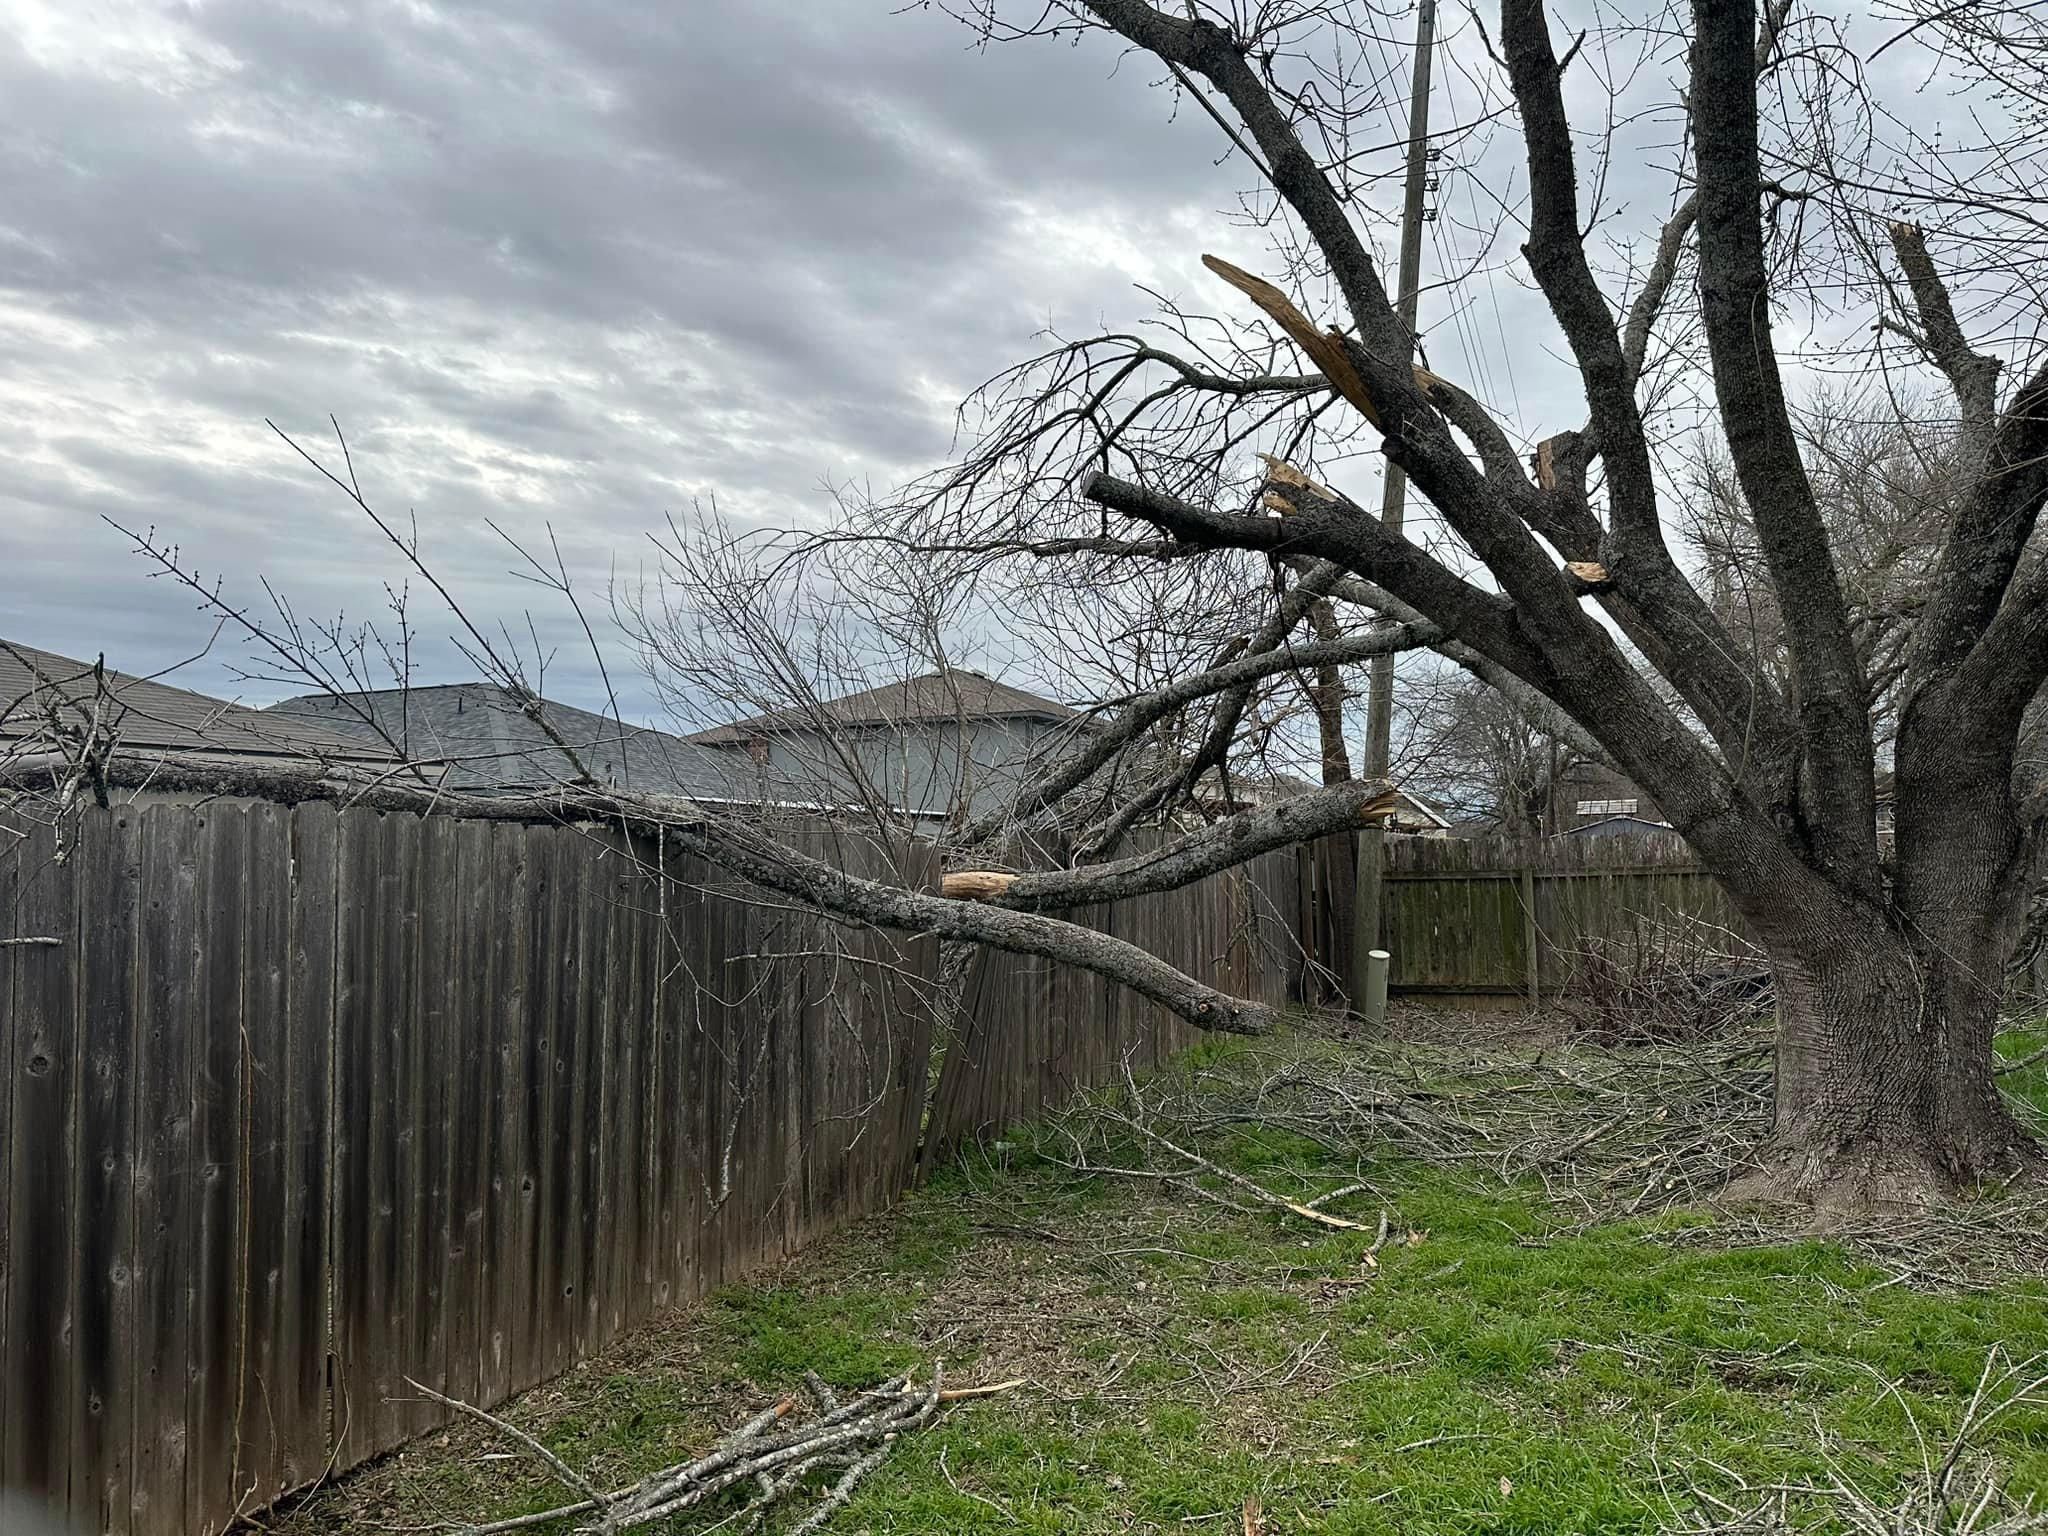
{"x": 303, "y": 1104}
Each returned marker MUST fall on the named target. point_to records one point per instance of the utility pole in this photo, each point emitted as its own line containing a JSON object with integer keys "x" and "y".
{"x": 1379, "y": 719}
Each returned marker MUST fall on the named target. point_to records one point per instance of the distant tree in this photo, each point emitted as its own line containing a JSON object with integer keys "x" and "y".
{"x": 1480, "y": 757}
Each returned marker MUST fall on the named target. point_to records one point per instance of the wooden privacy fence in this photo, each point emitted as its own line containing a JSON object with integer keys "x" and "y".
{"x": 1479, "y": 916}
{"x": 1038, "y": 1032}
{"x": 303, "y": 1103}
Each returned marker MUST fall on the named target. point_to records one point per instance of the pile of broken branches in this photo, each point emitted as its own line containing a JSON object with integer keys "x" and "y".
{"x": 1608, "y": 1134}
{"x": 1675, "y": 981}
{"x": 773, "y": 1458}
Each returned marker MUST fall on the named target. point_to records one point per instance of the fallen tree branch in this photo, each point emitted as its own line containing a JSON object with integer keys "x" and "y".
{"x": 1228, "y": 843}
{"x": 740, "y": 849}
{"x": 780, "y": 1457}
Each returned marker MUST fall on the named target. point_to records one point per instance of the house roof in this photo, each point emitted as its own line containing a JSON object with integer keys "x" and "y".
{"x": 1608, "y": 825}
{"x": 936, "y": 696}
{"x": 152, "y": 717}
{"x": 1423, "y": 809}
{"x": 487, "y": 743}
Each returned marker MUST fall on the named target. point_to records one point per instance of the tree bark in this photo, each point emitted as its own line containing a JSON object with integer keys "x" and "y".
{"x": 1885, "y": 1092}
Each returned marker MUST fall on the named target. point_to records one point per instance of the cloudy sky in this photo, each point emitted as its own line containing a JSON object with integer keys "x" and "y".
{"x": 572, "y": 264}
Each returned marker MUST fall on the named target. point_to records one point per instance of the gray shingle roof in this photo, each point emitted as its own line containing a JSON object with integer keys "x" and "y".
{"x": 490, "y": 744}
{"x": 935, "y": 696}
{"x": 153, "y": 717}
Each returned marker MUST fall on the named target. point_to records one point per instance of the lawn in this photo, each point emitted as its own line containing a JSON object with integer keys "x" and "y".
{"x": 1504, "y": 1362}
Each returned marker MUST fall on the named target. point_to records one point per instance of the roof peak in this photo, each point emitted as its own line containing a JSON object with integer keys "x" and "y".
{"x": 949, "y": 693}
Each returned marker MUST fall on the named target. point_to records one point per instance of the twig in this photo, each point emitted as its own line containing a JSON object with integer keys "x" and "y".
{"x": 562, "y": 1469}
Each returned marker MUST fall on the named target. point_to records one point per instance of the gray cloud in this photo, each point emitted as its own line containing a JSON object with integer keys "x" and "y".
{"x": 575, "y": 265}
{"x": 568, "y": 265}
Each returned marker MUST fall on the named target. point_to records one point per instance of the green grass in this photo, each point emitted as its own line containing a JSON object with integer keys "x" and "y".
{"x": 2029, "y": 1084}
{"x": 1485, "y": 1384}
{"x": 1495, "y": 1372}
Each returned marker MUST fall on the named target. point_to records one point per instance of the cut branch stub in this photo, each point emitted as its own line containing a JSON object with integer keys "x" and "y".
{"x": 975, "y": 884}
{"x": 1324, "y": 348}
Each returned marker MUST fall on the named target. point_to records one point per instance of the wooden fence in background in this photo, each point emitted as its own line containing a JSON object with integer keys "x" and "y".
{"x": 1494, "y": 916}
{"x": 305, "y": 1103}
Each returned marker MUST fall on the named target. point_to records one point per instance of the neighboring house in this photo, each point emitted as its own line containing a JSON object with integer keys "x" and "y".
{"x": 55, "y": 707}
{"x": 936, "y": 745}
{"x": 1416, "y": 817}
{"x": 1589, "y": 792}
{"x": 1590, "y": 795}
{"x": 485, "y": 743}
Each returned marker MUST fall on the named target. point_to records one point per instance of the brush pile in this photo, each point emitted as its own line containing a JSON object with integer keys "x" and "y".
{"x": 1676, "y": 981}
{"x": 787, "y": 1453}
{"x": 1609, "y": 1133}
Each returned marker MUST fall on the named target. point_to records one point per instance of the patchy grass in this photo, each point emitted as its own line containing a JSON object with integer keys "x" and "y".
{"x": 1494, "y": 1369}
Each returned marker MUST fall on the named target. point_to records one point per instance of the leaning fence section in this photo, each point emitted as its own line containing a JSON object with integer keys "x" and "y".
{"x": 305, "y": 1105}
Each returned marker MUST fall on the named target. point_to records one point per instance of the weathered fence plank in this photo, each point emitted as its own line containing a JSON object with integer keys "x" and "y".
{"x": 37, "y": 1362}
{"x": 300, "y": 1399}
{"x": 1496, "y": 916}
{"x": 263, "y": 1164}
{"x": 105, "y": 1271}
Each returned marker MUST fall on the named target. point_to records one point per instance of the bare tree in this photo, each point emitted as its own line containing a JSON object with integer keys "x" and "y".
{"x": 1476, "y": 754}
{"x": 1794, "y": 186}
{"x": 1887, "y": 478}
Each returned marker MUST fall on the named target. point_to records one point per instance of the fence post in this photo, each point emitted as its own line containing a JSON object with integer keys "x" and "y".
{"x": 1531, "y": 934}
{"x": 1374, "y": 1003}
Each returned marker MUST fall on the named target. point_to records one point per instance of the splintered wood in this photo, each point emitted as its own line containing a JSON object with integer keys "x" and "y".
{"x": 1324, "y": 348}
{"x": 975, "y": 884}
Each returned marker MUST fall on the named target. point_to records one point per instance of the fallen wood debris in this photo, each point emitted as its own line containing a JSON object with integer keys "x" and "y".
{"x": 1193, "y": 1168}
{"x": 975, "y": 884}
{"x": 1608, "y": 1132}
{"x": 778, "y": 1456}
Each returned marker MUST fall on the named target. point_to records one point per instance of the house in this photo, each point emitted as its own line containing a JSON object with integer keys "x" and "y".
{"x": 1588, "y": 792}
{"x": 946, "y": 743}
{"x": 483, "y": 741}
{"x": 1591, "y": 795}
{"x": 54, "y": 708}
{"x": 1416, "y": 817}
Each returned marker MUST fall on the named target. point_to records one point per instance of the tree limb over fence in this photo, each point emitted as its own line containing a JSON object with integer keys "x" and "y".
{"x": 738, "y": 847}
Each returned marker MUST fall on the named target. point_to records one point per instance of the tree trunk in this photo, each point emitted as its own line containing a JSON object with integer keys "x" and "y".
{"x": 1885, "y": 1092}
